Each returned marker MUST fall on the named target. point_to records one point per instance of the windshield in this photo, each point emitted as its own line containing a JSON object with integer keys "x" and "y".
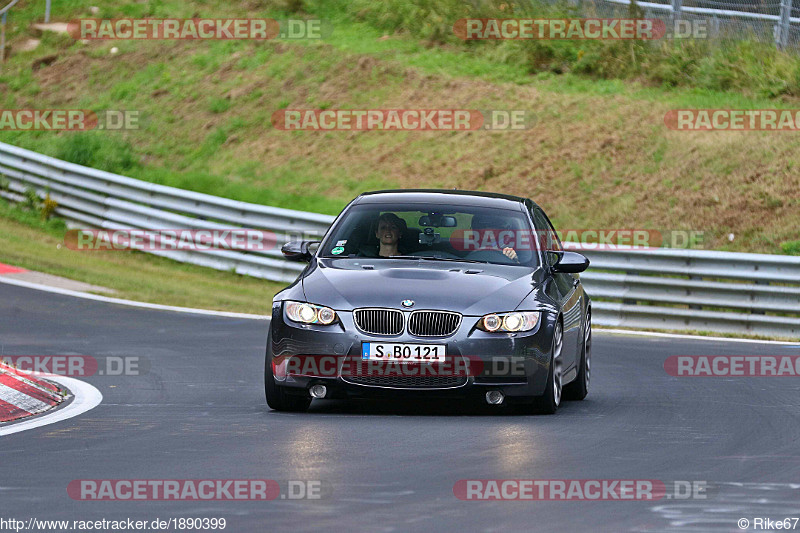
{"x": 439, "y": 232}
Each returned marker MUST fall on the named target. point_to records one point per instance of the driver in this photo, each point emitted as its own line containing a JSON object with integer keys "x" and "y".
{"x": 388, "y": 230}
{"x": 497, "y": 225}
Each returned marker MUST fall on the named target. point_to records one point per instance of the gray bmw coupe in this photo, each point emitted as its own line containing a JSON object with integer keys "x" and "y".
{"x": 433, "y": 293}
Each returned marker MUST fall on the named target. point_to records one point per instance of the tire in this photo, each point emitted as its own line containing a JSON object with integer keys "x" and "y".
{"x": 548, "y": 403}
{"x": 578, "y": 389}
{"x": 277, "y": 398}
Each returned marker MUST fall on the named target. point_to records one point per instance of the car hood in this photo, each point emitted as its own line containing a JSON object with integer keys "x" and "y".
{"x": 468, "y": 288}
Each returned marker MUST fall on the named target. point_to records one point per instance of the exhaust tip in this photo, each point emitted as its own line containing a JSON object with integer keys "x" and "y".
{"x": 495, "y": 397}
{"x": 318, "y": 391}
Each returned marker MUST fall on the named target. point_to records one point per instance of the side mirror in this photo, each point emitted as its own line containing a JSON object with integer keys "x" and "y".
{"x": 297, "y": 251}
{"x": 569, "y": 262}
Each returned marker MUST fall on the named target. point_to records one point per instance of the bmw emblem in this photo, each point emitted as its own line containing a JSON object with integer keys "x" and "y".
{"x": 408, "y": 303}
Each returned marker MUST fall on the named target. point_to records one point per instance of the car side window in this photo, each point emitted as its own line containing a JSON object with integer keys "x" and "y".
{"x": 553, "y": 244}
{"x": 546, "y": 235}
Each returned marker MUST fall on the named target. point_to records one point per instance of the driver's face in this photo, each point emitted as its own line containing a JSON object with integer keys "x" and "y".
{"x": 387, "y": 232}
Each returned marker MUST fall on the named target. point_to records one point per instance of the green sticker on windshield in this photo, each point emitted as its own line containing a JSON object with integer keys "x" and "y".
{"x": 337, "y": 250}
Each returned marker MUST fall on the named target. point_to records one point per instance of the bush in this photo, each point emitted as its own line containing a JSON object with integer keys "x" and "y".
{"x": 431, "y": 20}
{"x": 48, "y": 208}
{"x": 96, "y": 149}
{"x": 744, "y": 64}
{"x": 791, "y": 247}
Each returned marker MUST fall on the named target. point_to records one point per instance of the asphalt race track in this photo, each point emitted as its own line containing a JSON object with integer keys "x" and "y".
{"x": 199, "y": 413}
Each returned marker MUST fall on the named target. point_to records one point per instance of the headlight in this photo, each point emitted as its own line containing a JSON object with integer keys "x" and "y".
{"x": 509, "y": 322}
{"x": 306, "y": 313}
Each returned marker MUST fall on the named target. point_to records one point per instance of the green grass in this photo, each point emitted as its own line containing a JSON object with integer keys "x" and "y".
{"x": 205, "y": 126}
{"x": 745, "y": 65}
{"x": 791, "y": 247}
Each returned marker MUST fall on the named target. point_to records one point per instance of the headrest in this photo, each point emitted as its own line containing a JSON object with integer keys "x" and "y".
{"x": 481, "y": 222}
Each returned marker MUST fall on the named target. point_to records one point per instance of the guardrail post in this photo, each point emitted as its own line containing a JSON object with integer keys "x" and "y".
{"x": 699, "y": 307}
{"x": 756, "y": 311}
{"x": 3, "y": 39}
{"x": 47, "y": 12}
{"x": 676, "y": 12}
{"x": 783, "y": 32}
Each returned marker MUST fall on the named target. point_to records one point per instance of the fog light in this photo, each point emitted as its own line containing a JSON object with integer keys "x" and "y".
{"x": 495, "y": 397}
{"x": 319, "y": 391}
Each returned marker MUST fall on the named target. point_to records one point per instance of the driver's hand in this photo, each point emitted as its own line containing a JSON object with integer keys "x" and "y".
{"x": 510, "y": 253}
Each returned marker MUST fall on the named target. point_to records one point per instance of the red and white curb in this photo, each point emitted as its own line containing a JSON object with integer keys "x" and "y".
{"x": 85, "y": 398}
{"x": 8, "y": 269}
{"x": 23, "y": 395}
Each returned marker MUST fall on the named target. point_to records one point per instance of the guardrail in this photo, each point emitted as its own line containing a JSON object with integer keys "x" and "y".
{"x": 90, "y": 198}
{"x": 757, "y": 294}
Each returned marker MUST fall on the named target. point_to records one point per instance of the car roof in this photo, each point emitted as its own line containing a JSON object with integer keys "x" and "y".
{"x": 448, "y": 196}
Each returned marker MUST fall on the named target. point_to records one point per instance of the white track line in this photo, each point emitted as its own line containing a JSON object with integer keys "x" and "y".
{"x": 86, "y": 397}
{"x": 133, "y": 303}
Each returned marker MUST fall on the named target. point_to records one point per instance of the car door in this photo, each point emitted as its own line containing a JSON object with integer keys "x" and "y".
{"x": 565, "y": 286}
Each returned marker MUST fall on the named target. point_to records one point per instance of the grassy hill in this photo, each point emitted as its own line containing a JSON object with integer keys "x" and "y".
{"x": 599, "y": 155}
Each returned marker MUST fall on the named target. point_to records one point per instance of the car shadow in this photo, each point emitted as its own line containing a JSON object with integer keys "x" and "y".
{"x": 405, "y": 407}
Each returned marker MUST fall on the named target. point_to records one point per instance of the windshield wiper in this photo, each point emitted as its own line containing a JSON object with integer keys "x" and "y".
{"x": 431, "y": 258}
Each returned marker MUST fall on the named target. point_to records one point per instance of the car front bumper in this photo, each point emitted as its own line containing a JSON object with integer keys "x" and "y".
{"x": 516, "y": 364}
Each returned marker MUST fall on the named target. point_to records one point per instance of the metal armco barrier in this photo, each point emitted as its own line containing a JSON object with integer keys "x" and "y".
{"x": 700, "y": 290}
{"x": 756, "y": 294}
{"x": 90, "y": 198}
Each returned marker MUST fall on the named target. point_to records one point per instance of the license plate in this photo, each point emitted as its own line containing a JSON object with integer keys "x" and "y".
{"x": 404, "y": 353}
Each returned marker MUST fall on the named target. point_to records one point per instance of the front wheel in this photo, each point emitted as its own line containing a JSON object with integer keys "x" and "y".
{"x": 277, "y": 398}
{"x": 548, "y": 403}
{"x": 578, "y": 389}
